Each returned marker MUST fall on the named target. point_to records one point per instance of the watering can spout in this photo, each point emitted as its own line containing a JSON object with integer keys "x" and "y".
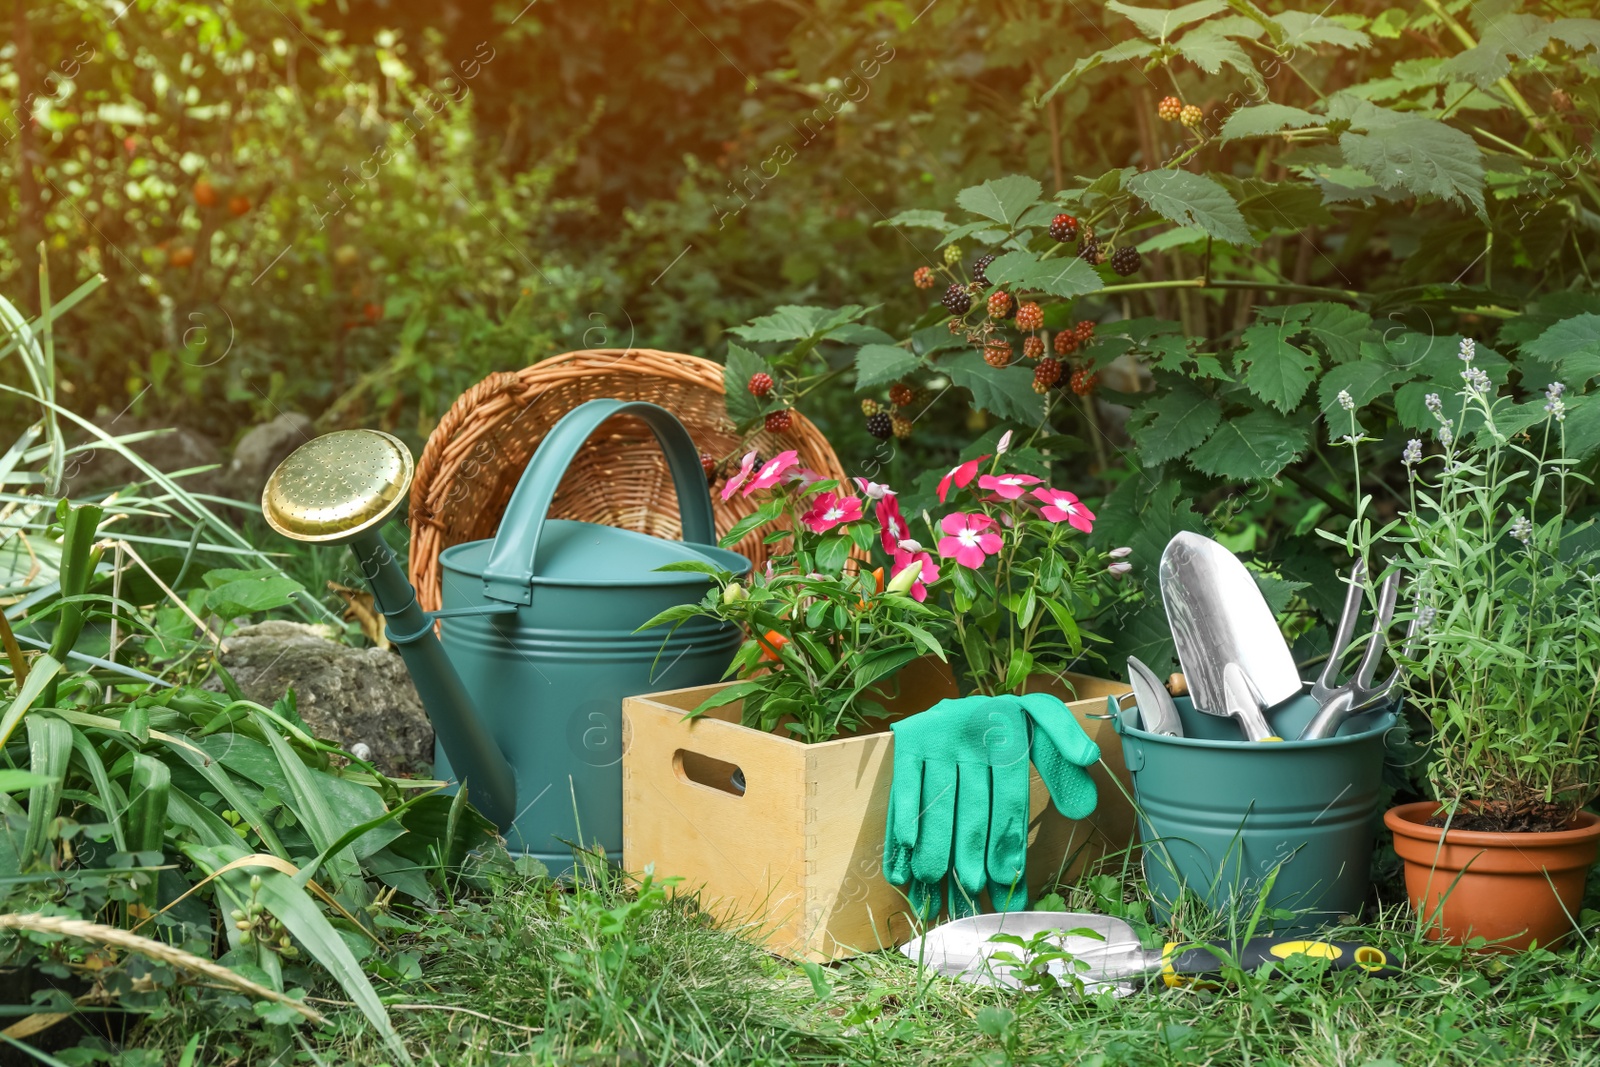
{"x": 339, "y": 489}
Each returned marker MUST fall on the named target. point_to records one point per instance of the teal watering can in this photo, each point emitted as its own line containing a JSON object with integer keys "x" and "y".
{"x": 536, "y": 645}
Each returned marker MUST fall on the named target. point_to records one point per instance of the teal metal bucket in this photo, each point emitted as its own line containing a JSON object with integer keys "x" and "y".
{"x": 1234, "y": 821}
{"x": 548, "y": 665}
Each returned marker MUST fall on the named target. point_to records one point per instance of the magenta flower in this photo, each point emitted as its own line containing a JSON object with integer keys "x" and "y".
{"x": 1062, "y": 506}
{"x": 1007, "y": 486}
{"x": 829, "y": 510}
{"x": 737, "y": 480}
{"x": 891, "y": 524}
{"x": 961, "y": 475}
{"x": 971, "y": 539}
{"x": 772, "y": 471}
{"x": 922, "y": 560}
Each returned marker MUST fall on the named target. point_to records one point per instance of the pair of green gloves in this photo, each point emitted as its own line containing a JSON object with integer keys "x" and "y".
{"x": 958, "y": 803}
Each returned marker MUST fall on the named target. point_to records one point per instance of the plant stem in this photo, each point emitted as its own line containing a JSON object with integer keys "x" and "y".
{"x": 1202, "y": 283}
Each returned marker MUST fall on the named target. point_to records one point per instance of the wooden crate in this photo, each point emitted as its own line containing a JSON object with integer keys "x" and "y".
{"x": 797, "y": 859}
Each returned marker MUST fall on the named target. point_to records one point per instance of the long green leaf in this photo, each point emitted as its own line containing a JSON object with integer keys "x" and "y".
{"x": 311, "y": 806}
{"x": 40, "y": 674}
{"x": 49, "y": 755}
{"x": 110, "y": 796}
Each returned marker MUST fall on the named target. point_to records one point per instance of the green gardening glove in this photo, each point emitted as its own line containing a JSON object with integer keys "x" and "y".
{"x": 959, "y": 802}
{"x": 1061, "y": 751}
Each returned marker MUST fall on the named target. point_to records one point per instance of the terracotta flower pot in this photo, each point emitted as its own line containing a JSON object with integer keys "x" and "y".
{"x": 1511, "y": 888}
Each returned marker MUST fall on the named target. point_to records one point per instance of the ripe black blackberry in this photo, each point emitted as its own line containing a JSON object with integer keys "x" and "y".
{"x": 957, "y": 300}
{"x": 1064, "y": 228}
{"x": 881, "y": 425}
{"x": 1089, "y": 250}
{"x": 1125, "y": 260}
{"x": 980, "y": 265}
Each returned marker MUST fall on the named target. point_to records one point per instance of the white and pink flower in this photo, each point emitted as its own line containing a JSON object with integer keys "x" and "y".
{"x": 772, "y": 471}
{"x": 970, "y": 539}
{"x": 1008, "y": 486}
{"x": 1058, "y": 505}
{"x": 745, "y": 466}
{"x": 829, "y": 510}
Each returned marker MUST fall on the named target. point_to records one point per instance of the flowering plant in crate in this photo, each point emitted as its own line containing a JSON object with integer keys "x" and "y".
{"x": 827, "y": 634}
{"x": 1023, "y": 575}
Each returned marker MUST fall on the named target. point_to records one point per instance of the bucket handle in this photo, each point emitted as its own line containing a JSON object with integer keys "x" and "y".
{"x": 513, "y": 559}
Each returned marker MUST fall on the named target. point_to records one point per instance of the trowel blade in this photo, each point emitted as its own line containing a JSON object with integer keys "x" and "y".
{"x": 964, "y": 948}
{"x": 1218, "y": 616}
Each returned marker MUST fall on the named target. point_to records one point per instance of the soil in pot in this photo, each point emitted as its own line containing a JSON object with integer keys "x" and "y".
{"x": 1514, "y": 889}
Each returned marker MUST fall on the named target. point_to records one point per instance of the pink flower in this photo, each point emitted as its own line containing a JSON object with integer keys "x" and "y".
{"x": 1007, "y": 486}
{"x": 892, "y": 524}
{"x": 772, "y": 471}
{"x": 872, "y": 490}
{"x": 1062, "y": 506}
{"x": 829, "y": 510}
{"x": 737, "y": 480}
{"x": 961, "y": 475}
{"x": 971, "y": 539}
{"x": 804, "y": 476}
{"x": 929, "y": 571}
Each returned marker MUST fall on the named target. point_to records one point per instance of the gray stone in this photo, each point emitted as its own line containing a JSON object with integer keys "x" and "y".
{"x": 350, "y": 696}
{"x": 170, "y": 450}
{"x": 261, "y": 450}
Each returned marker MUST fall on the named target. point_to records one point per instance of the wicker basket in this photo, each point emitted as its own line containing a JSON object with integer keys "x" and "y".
{"x": 475, "y": 456}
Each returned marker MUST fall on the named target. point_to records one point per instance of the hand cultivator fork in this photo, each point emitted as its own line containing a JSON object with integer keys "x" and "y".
{"x": 1336, "y": 704}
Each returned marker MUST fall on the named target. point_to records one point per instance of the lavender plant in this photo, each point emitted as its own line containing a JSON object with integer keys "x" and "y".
{"x": 1506, "y": 667}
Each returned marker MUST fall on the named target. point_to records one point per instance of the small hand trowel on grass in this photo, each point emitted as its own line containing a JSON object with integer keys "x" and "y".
{"x": 1105, "y": 951}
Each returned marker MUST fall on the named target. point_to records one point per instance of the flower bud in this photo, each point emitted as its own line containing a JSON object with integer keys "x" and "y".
{"x": 1117, "y": 570}
{"x": 909, "y": 545}
{"x": 1004, "y": 445}
{"x": 901, "y": 583}
{"x": 1120, "y": 553}
{"x": 255, "y": 882}
{"x": 733, "y": 593}
{"x": 241, "y": 925}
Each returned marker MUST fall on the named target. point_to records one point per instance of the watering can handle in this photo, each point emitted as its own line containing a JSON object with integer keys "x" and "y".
{"x": 513, "y": 561}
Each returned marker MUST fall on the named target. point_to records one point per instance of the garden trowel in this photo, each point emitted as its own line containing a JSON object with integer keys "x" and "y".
{"x": 1104, "y": 953}
{"x": 1219, "y": 617}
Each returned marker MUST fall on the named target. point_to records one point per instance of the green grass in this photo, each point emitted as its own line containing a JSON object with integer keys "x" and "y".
{"x": 607, "y": 974}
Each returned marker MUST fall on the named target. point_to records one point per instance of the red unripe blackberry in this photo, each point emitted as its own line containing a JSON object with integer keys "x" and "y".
{"x": 957, "y": 300}
{"x": 923, "y": 278}
{"x": 760, "y": 384}
{"x": 901, "y": 394}
{"x": 1083, "y": 381}
{"x": 1064, "y": 228}
{"x": 1169, "y": 108}
{"x": 708, "y": 465}
{"x": 1030, "y": 316}
{"x": 900, "y": 426}
{"x": 880, "y": 425}
{"x": 1046, "y": 374}
{"x": 1085, "y": 331}
{"x": 980, "y": 265}
{"x": 997, "y": 353}
{"x": 1066, "y": 342}
{"x": 1033, "y": 347}
{"x": 1125, "y": 260}
{"x": 1000, "y": 305}
{"x": 779, "y": 421}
